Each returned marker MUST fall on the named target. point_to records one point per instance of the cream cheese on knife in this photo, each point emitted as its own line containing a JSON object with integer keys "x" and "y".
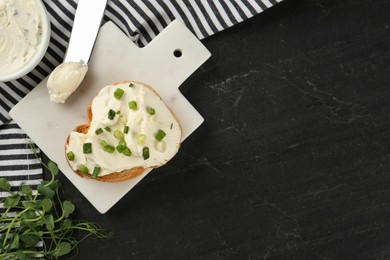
{"x": 65, "y": 79}
{"x": 20, "y": 33}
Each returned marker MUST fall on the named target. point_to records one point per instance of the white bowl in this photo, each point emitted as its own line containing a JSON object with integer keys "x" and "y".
{"x": 41, "y": 51}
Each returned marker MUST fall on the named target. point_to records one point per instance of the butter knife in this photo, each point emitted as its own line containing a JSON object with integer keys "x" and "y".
{"x": 66, "y": 78}
{"x": 85, "y": 29}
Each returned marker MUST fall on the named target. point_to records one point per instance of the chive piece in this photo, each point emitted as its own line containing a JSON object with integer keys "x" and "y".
{"x": 133, "y": 105}
{"x": 171, "y": 125}
{"x": 160, "y": 135}
{"x": 109, "y": 148}
{"x": 87, "y": 148}
{"x": 123, "y": 120}
{"x": 111, "y": 114}
{"x": 131, "y": 85}
{"x": 118, "y": 134}
{"x": 107, "y": 129}
{"x": 121, "y": 145}
{"x": 95, "y": 172}
{"x": 126, "y": 151}
{"x": 99, "y": 131}
{"x": 118, "y": 112}
{"x": 150, "y": 110}
{"x": 141, "y": 139}
{"x": 83, "y": 169}
{"x": 118, "y": 93}
{"x": 103, "y": 143}
{"x": 70, "y": 156}
{"x": 125, "y": 129}
{"x": 145, "y": 153}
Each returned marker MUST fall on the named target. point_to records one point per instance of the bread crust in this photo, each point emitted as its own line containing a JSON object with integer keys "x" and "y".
{"x": 114, "y": 176}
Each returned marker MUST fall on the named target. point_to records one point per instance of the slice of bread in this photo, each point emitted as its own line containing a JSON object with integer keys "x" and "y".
{"x": 114, "y": 165}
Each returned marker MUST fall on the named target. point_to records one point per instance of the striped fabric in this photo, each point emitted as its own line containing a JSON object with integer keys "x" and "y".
{"x": 141, "y": 21}
{"x": 17, "y": 160}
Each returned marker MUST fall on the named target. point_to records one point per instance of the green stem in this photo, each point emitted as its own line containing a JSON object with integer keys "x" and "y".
{"x": 25, "y": 252}
{"x": 62, "y": 208}
{"x": 5, "y": 213}
{"x": 11, "y": 224}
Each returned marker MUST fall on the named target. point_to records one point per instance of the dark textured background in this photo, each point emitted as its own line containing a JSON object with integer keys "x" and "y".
{"x": 293, "y": 159}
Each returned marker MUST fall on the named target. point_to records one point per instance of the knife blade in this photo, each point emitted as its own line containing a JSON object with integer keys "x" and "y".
{"x": 86, "y": 26}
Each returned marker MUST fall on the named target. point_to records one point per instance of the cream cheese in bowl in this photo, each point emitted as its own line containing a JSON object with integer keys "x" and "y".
{"x": 24, "y": 36}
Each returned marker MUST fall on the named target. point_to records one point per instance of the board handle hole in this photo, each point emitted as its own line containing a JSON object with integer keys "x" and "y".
{"x": 177, "y": 53}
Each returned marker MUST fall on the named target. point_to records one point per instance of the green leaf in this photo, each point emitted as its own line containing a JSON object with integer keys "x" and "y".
{"x": 21, "y": 255}
{"x": 29, "y": 240}
{"x": 55, "y": 185}
{"x": 12, "y": 201}
{"x": 32, "y": 204}
{"x": 15, "y": 242}
{"x": 47, "y": 204}
{"x": 53, "y": 168}
{"x": 46, "y": 191}
{"x": 4, "y": 184}
{"x": 26, "y": 190}
{"x": 62, "y": 248}
{"x": 68, "y": 208}
{"x": 66, "y": 223}
{"x": 36, "y": 224}
{"x": 29, "y": 215}
{"x": 49, "y": 222}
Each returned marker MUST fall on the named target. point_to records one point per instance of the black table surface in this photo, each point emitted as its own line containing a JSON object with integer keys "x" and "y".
{"x": 293, "y": 159}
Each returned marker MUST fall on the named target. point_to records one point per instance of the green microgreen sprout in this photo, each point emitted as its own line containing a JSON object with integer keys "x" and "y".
{"x": 41, "y": 217}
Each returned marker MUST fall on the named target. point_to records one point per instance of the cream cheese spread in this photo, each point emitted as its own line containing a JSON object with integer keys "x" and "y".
{"x": 20, "y": 33}
{"x": 129, "y": 120}
{"x": 65, "y": 79}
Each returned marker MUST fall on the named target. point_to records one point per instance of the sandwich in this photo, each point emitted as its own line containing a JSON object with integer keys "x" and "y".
{"x": 129, "y": 130}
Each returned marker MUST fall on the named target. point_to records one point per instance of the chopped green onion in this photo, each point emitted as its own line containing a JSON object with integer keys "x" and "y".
{"x": 111, "y": 114}
{"x": 160, "y": 135}
{"x": 118, "y": 112}
{"x": 133, "y": 105}
{"x": 70, "y": 156}
{"x": 145, "y": 153}
{"x": 109, "y": 148}
{"x": 141, "y": 139}
{"x": 123, "y": 120}
{"x": 126, "y": 151}
{"x": 107, "y": 129}
{"x": 125, "y": 129}
{"x": 118, "y": 134}
{"x": 95, "y": 172}
{"x": 150, "y": 110}
{"x": 131, "y": 85}
{"x": 99, "y": 131}
{"x": 121, "y": 145}
{"x": 118, "y": 93}
{"x": 87, "y": 148}
{"x": 103, "y": 143}
{"x": 171, "y": 125}
{"x": 83, "y": 169}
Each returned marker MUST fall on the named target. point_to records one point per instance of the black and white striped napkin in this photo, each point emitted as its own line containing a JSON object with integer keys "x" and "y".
{"x": 141, "y": 20}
